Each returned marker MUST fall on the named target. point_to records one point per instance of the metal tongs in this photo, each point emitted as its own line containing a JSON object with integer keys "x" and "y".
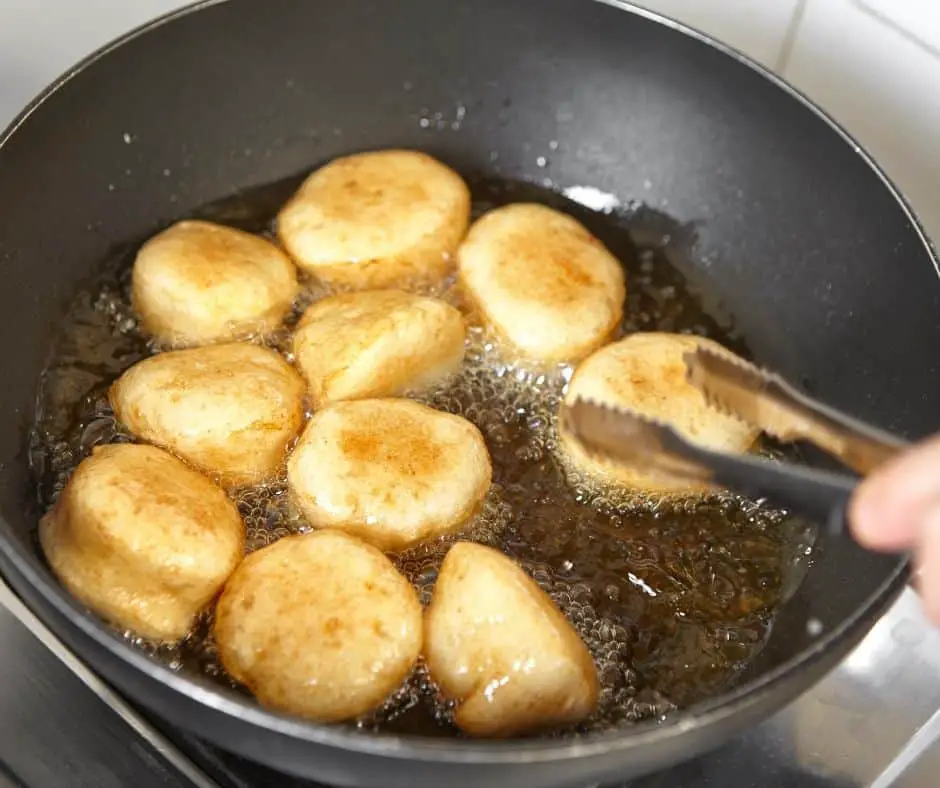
{"x": 766, "y": 402}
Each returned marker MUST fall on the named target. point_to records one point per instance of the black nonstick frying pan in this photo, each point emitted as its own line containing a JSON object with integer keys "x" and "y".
{"x": 829, "y": 277}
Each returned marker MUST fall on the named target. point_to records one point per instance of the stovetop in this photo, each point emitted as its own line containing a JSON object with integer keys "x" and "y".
{"x": 874, "y": 722}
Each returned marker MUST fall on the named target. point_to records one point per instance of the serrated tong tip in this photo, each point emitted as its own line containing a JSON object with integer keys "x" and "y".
{"x": 625, "y": 436}
{"x": 768, "y": 403}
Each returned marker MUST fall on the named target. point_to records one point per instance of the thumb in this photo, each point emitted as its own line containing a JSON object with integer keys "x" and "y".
{"x": 887, "y": 509}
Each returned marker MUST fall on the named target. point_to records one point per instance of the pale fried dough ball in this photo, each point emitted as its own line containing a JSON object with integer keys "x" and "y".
{"x": 198, "y": 283}
{"x": 231, "y": 410}
{"x": 542, "y": 282}
{"x": 377, "y": 343}
{"x": 646, "y": 373}
{"x": 320, "y": 625}
{"x": 391, "y": 471}
{"x": 500, "y": 647}
{"x": 143, "y": 540}
{"x": 379, "y": 219}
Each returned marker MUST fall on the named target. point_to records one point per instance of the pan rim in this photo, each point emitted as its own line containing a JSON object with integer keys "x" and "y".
{"x": 704, "y": 714}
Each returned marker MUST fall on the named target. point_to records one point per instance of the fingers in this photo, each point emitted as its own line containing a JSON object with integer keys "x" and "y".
{"x": 928, "y": 563}
{"x": 890, "y": 508}
{"x": 898, "y": 509}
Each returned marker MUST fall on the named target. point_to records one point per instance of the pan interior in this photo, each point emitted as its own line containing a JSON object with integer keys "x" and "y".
{"x": 673, "y": 599}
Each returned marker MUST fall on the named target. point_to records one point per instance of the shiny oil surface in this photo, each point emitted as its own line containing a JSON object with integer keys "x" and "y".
{"x": 672, "y": 599}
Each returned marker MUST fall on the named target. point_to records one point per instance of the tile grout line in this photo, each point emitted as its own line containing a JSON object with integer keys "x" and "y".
{"x": 790, "y": 37}
{"x": 907, "y": 35}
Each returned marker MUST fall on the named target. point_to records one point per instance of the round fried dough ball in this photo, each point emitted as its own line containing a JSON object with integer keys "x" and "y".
{"x": 230, "y": 410}
{"x": 319, "y": 625}
{"x": 379, "y": 219}
{"x": 198, "y": 283}
{"x": 391, "y": 471}
{"x": 542, "y": 282}
{"x": 646, "y": 373}
{"x": 497, "y": 644}
{"x": 142, "y": 540}
{"x": 377, "y": 343}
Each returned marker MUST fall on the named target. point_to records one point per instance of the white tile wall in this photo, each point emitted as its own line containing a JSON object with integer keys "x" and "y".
{"x": 918, "y": 20}
{"x": 873, "y": 64}
{"x": 881, "y": 80}
{"x": 40, "y": 39}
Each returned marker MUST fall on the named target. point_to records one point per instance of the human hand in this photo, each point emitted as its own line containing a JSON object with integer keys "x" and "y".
{"x": 897, "y": 508}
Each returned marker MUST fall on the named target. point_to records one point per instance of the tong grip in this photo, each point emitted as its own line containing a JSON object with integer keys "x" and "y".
{"x": 767, "y": 401}
{"x": 820, "y": 496}
{"x": 859, "y": 446}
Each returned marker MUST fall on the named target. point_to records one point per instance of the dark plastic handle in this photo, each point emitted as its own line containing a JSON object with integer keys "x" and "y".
{"x": 820, "y": 496}
{"x": 838, "y": 522}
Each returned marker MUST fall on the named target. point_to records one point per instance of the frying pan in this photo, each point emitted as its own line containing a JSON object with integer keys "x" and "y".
{"x": 815, "y": 253}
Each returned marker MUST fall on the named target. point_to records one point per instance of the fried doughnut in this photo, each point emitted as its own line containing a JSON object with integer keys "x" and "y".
{"x": 319, "y": 625}
{"x": 500, "y": 647}
{"x": 380, "y": 219}
{"x": 646, "y": 373}
{"x": 378, "y": 343}
{"x": 199, "y": 283}
{"x": 391, "y": 471}
{"x": 143, "y": 540}
{"x": 542, "y": 282}
{"x": 230, "y": 410}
